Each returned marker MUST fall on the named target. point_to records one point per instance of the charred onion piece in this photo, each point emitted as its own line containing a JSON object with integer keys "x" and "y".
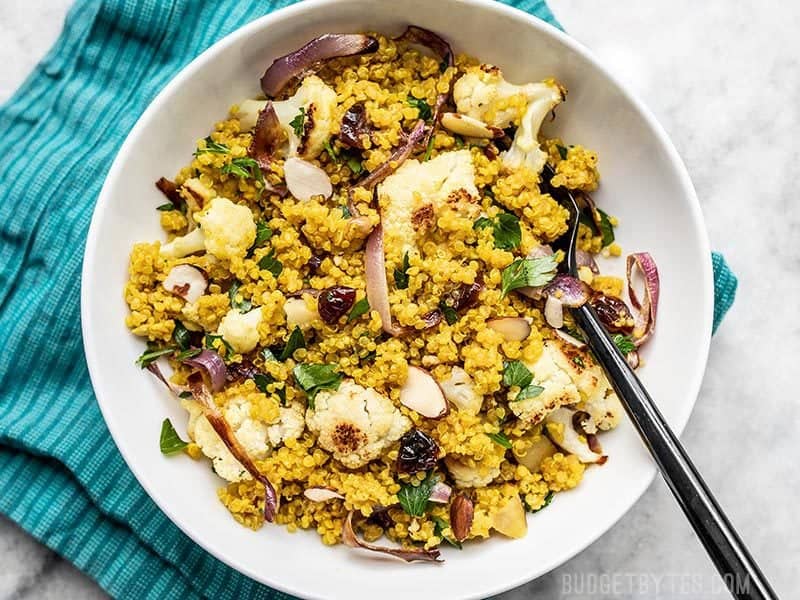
{"x": 325, "y": 47}
{"x": 267, "y": 137}
{"x": 586, "y": 259}
{"x": 648, "y": 306}
{"x": 210, "y": 362}
{"x": 334, "y": 302}
{"x": 212, "y": 413}
{"x": 170, "y": 190}
{"x": 429, "y": 39}
{"x": 398, "y": 157}
{"x": 462, "y": 512}
{"x": 155, "y": 370}
{"x": 464, "y": 296}
{"x": 354, "y": 126}
{"x": 432, "y": 318}
{"x": 242, "y": 370}
{"x": 418, "y": 452}
{"x": 440, "y": 493}
{"x": 377, "y": 286}
{"x": 349, "y": 538}
{"x": 613, "y": 313}
{"x": 570, "y": 291}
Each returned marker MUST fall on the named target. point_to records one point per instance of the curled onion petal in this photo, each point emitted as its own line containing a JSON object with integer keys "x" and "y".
{"x": 586, "y": 259}
{"x": 554, "y": 312}
{"x": 398, "y": 157}
{"x": 349, "y": 538}
{"x": 170, "y": 190}
{"x": 429, "y": 39}
{"x": 633, "y": 359}
{"x": 440, "y": 493}
{"x": 306, "y": 180}
{"x": 331, "y": 45}
{"x": 648, "y": 306}
{"x": 572, "y": 292}
{"x": 573, "y": 341}
{"x": 267, "y": 136}
{"x": 156, "y": 370}
{"x": 214, "y": 417}
{"x": 377, "y": 286}
{"x": 213, "y": 365}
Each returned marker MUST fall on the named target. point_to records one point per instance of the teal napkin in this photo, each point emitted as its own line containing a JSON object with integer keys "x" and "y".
{"x": 63, "y": 480}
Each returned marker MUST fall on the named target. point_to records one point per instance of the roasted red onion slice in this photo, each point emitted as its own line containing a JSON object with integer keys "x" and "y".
{"x": 570, "y": 291}
{"x": 425, "y": 37}
{"x": 648, "y": 307}
{"x": 354, "y": 126}
{"x": 586, "y": 259}
{"x": 156, "y": 370}
{"x": 170, "y": 190}
{"x": 398, "y": 157}
{"x": 212, "y": 413}
{"x": 325, "y": 47}
{"x": 377, "y": 286}
{"x": 267, "y": 137}
{"x": 210, "y": 362}
{"x": 349, "y": 538}
{"x": 440, "y": 493}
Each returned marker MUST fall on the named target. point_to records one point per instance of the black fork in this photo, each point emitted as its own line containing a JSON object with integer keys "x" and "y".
{"x": 733, "y": 561}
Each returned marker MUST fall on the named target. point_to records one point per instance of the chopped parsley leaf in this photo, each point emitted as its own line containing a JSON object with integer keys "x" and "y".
{"x": 298, "y": 123}
{"x": 516, "y": 373}
{"x": 209, "y": 340}
{"x": 439, "y": 526}
{"x": 428, "y": 149}
{"x": 624, "y": 343}
{"x": 530, "y": 391}
{"x": 359, "y": 308}
{"x": 271, "y": 264}
{"x": 313, "y": 378}
{"x": 528, "y": 272}
{"x": 606, "y": 228}
{"x": 450, "y": 313}
{"x": 547, "y": 500}
{"x": 423, "y": 108}
{"x": 346, "y": 211}
{"x": 401, "y": 275}
{"x": 263, "y": 233}
{"x": 507, "y": 233}
{"x": 242, "y": 305}
{"x": 151, "y": 355}
{"x": 414, "y": 498}
{"x": 562, "y": 152}
{"x": 295, "y": 342}
{"x": 579, "y": 361}
{"x": 180, "y": 335}
{"x": 482, "y": 223}
{"x": 330, "y": 150}
{"x": 212, "y": 147}
{"x": 169, "y": 441}
{"x": 188, "y": 353}
{"x": 166, "y": 207}
{"x": 500, "y": 439}
{"x": 354, "y": 164}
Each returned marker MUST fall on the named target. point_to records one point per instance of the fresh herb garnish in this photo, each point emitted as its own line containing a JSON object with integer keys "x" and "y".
{"x": 151, "y": 355}
{"x": 297, "y": 124}
{"x": 212, "y": 147}
{"x": 424, "y": 110}
{"x": 346, "y": 211}
{"x": 529, "y": 391}
{"x": 578, "y": 361}
{"x": 450, "y": 313}
{"x": 296, "y": 341}
{"x": 181, "y": 335}
{"x": 169, "y": 441}
{"x": 330, "y": 150}
{"x": 262, "y": 380}
{"x": 313, "y": 378}
{"x": 606, "y": 228}
{"x": 507, "y": 233}
{"x": 414, "y": 498}
{"x": 401, "y": 275}
{"x": 263, "y": 233}
{"x": 500, "y": 439}
{"x": 188, "y": 353}
{"x": 167, "y": 206}
{"x": 268, "y": 355}
{"x": 428, "y": 149}
{"x": 354, "y": 164}
{"x": 271, "y": 264}
{"x": 209, "y": 340}
{"x": 459, "y": 141}
{"x": 185, "y": 395}
{"x": 443, "y": 65}
{"x": 241, "y": 167}
{"x": 562, "y": 152}
{"x": 438, "y": 530}
{"x": 624, "y": 343}
{"x": 482, "y": 223}
{"x": 359, "y": 308}
{"x": 242, "y": 305}
{"x": 528, "y": 272}
{"x": 516, "y": 373}
{"x": 547, "y": 500}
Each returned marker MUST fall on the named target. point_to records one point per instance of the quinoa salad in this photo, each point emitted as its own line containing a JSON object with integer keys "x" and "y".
{"x": 358, "y": 301}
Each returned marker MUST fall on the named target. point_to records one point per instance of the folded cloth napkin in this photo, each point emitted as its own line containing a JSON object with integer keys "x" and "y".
{"x": 63, "y": 480}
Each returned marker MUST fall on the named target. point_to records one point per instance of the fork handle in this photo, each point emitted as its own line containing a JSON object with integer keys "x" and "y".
{"x": 733, "y": 561}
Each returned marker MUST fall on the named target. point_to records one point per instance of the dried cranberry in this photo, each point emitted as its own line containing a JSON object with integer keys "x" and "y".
{"x": 464, "y": 296}
{"x": 432, "y": 318}
{"x": 313, "y": 263}
{"x": 354, "y": 126}
{"x": 613, "y": 313}
{"x": 334, "y": 302}
{"x": 381, "y": 518}
{"x": 418, "y": 452}
{"x": 241, "y": 370}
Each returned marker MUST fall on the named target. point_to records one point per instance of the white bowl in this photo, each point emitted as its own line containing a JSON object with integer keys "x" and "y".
{"x": 644, "y": 183}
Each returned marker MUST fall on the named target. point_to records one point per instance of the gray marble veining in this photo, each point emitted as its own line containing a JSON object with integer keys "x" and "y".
{"x": 724, "y": 80}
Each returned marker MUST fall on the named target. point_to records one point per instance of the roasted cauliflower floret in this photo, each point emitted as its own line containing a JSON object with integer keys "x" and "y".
{"x": 355, "y": 424}
{"x": 318, "y": 103}
{"x": 191, "y": 243}
{"x": 290, "y": 425}
{"x": 559, "y": 389}
{"x": 229, "y": 228}
{"x": 525, "y": 150}
{"x": 299, "y": 312}
{"x": 459, "y": 390}
{"x": 604, "y": 406}
{"x": 468, "y": 472}
{"x": 419, "y": 185}
{"x": 240, "y": 329}
{"x": 251, "y": 434}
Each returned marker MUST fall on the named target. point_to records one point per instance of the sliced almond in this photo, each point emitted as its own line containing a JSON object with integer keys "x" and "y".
{"x": 320, "y": 494}
{"x": 572, "y": 341}
{"x": 510, "y": 519}
{"x": 554, "y": 312}
{"x": 462, "y": 512}
{"x": 186, "y": 281}
{"x": 469, "y": 126}
{"x": 422, "y": 394}
{"x": 513, "y": 329}
{"x": 305, "y": 180}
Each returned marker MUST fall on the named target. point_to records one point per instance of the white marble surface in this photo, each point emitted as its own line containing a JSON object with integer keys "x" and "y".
{"x": 724, "y": 80}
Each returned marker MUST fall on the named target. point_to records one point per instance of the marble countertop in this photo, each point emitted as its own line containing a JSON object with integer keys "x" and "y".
{"x": 721, "y": 77}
